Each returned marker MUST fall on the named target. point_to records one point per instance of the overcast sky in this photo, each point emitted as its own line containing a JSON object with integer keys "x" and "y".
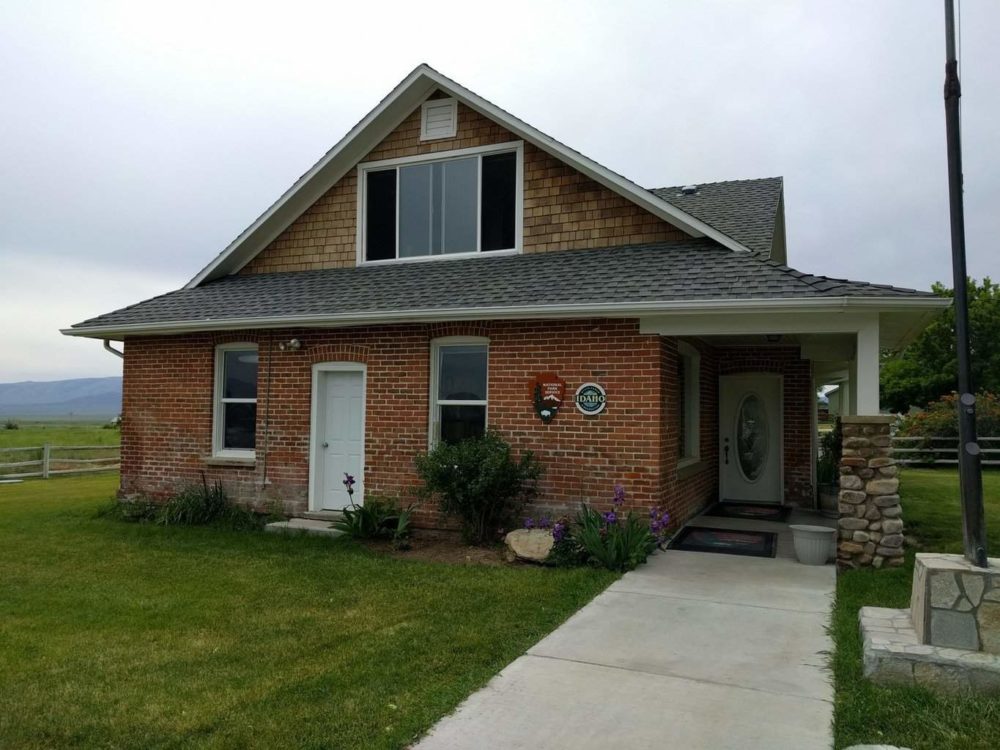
{"x": 138, "y": 139}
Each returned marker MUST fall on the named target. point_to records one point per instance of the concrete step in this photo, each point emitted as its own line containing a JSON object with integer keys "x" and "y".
{"x": 303, "y": 526}
{"x": 323, "y": 515}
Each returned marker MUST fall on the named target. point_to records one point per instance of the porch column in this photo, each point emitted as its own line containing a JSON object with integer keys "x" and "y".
{"x": 866, "y": 363}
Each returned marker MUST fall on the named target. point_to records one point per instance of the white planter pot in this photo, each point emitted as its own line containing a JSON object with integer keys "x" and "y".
{"x": 813, "y": 543}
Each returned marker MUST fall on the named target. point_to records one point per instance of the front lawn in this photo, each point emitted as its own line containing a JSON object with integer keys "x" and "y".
{"x": 910, "y": 717}
{"x": 121, "y": 635}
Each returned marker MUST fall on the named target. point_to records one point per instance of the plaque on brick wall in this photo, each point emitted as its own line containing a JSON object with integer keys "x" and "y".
{"x": 591, "y": 399}
{"x": 547, "y": 392}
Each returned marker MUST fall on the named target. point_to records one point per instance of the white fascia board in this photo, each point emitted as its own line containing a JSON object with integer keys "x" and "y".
{"x": 322, "y": 176}
{"x": 381, "y": 121}
{"x": 781, "y": 308}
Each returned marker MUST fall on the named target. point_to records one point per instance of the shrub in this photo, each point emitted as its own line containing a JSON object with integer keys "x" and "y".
{"x": 831, "y": 447}
{"x": 134, "y": 511}
{"x": 201, "y": 505}
{"x": 378, "y": 518}
{"x": 618, "y": 539}
{"x": 10, "y": 424}
{"x": 940, "y": 418}
{"x": 480, "y": 482}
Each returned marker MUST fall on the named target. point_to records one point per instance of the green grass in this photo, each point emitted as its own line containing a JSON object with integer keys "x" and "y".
{"x": 910, "y": 717}
{"x": 122, "y": 635}
{"x": 57, "y": 433}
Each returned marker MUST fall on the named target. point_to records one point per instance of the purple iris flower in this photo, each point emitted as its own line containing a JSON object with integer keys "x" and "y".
{"x": 610, "y": 517}
{"x": 529, "y": 523}
{"x": 348, "y": 480}
{"x": 619, "y": 495}
{"x": 559, "y": 531}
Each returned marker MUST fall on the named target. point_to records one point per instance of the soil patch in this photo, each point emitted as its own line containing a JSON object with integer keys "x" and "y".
{"x": 440, "y": 546}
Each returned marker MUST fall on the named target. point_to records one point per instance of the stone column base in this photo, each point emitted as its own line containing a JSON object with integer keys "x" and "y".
{"x": 955, "y": 604}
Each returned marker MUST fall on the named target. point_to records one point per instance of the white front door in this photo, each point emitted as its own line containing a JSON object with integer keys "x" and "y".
{"x": 750, "y": 444}
{"x": 338, "y": 436}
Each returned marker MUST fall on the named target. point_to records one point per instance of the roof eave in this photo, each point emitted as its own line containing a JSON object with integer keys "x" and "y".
{"x": 612, "y": 309}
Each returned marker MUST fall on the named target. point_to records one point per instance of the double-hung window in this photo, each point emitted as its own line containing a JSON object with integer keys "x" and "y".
{"x": 426, "y": 207}
{"x": 235, "y": 400}
{"x": 458, "y": 389}
{"x": 688, "y": 403}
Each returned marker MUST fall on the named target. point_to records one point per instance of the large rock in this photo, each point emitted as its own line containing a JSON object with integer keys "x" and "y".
{"x": 532, "y": 545}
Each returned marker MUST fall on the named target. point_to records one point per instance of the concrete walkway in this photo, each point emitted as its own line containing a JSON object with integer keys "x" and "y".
{"x": 692, "y": 650}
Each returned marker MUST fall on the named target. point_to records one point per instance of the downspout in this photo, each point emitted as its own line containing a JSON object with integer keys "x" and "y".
{"x": 107, "y": 346}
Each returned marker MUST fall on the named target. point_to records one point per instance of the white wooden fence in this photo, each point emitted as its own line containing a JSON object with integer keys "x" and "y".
{"x": 922, "y": 451}
{"x": 51, "y": 460}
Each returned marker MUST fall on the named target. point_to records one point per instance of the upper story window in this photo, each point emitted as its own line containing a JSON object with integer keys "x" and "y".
{"x": 235, "y": 400}
{"x": 458, "y": 203}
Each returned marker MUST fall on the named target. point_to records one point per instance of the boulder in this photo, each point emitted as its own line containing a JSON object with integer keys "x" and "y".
{"x": 532, "y": 545}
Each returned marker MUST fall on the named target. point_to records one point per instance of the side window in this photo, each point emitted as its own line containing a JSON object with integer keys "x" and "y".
{"x": 458, "y": 389}
{"x": 235, "y": 399}
{"x": 688, "y": 403}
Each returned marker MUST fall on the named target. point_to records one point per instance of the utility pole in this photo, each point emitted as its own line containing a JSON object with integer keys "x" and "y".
{"x": 969, "y": 458}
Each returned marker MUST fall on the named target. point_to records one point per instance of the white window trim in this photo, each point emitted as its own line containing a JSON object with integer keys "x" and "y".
{"x": 453, "y": 103}
{"x": 692, "y": 406}
{"x": 362, "y": 210}
{"x": 433, "y": 423}
{"x": 218, "y": 402}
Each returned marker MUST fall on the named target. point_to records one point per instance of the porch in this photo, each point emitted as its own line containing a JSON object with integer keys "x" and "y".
{"x": 759, "y": 414}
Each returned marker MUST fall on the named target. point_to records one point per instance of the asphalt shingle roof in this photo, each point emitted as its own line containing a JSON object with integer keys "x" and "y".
{"x": 742, "y": 209}
{"x": 697, "y": 269}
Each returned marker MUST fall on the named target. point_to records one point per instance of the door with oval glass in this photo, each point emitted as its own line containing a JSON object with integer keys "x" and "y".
{"x": 750, "y": 438}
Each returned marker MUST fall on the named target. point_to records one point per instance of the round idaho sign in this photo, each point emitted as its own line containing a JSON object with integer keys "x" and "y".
{"x": 591, "y": 398}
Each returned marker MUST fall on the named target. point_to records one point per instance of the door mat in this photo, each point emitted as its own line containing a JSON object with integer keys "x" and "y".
{"x": 725, "y": 541}
{"x": 760, "y": 512}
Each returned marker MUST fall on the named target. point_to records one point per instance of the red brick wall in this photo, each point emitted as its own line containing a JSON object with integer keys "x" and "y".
{"x": 166, "y": 434}
{"x": 687, "y": 491}
{"x": 168, "y": 407}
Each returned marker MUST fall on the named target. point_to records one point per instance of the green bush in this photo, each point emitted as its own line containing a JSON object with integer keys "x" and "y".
{"x": 940, "y": 418}
{"x": 378, "y": 518}
{"x": 831, "y": 447}
{"x": 615, "y": 540}
{"x": 480, "y": 482}
{"x": 203, "y": 505}
{"x": 10, "y": 424}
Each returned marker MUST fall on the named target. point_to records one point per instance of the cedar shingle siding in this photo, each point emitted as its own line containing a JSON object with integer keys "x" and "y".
{"x": 563, "y": 209}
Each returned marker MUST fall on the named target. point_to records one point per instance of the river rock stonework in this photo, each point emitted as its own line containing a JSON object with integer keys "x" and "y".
{"x": 871, "y": 518}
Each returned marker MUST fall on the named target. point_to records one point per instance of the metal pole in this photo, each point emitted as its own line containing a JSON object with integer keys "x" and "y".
{"x": 969, "y": 460}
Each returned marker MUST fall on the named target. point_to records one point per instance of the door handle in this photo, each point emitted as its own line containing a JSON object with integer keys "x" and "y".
{"x": 326, "y": 444}
{"x": 725, "y": 451}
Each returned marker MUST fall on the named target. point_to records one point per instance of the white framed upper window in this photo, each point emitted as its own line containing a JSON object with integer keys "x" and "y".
{"x": 438, "y": 119}
{"x": 688, "y": 404}
{"x": 445, "y": 205}
{"x": 458, "y": 398}
{"x": 234, "y": 430}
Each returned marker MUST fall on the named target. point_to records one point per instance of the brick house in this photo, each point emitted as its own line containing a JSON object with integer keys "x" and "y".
{"x": 444, "y": 257}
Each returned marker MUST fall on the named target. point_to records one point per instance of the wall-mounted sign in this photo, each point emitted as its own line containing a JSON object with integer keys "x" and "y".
{"x": 547, "y": 392}
{"x": 591, "y": 398}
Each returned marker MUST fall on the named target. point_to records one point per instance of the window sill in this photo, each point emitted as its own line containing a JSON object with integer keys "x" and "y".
{"x": 449, "y": 256}
{"x": 222, "y": 460}
{"x": 688, "y": 467}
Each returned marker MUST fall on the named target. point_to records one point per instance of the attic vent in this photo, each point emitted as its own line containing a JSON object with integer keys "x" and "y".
{"x": 438, "y": 119}
{"x": 689, "y": 190}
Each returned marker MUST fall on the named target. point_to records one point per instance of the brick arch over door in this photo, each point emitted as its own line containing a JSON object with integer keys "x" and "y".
{"x": 796, "y": 411}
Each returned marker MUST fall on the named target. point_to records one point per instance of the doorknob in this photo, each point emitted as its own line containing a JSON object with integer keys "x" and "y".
{"x": 326, "y": 444}
{"x": 726, "y": 451}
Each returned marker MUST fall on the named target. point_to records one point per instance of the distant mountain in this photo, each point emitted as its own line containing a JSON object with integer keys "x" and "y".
{"x": 81, "y": 397}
